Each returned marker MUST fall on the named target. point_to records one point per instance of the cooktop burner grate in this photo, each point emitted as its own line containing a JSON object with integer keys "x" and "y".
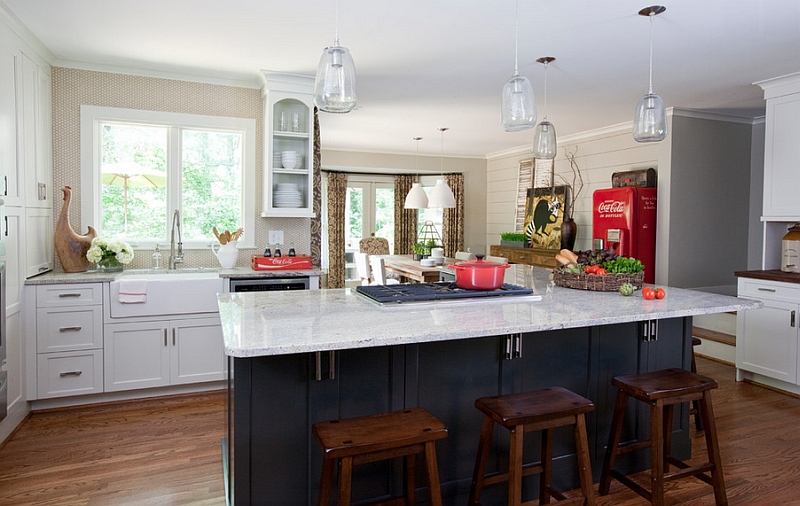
{"x": 443, "y": 290}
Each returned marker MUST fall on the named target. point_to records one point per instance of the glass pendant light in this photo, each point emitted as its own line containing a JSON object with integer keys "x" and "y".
{"x": 650, "y": 121}
{"x": 544, "y": 140}
{"x": 335, "y": 85}
{"x": 517, "y": 105}
{"x": 442, "y": 195}
{"x": 416, "y": 198}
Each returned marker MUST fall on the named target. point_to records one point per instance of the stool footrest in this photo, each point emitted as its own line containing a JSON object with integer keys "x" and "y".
{"x": 633, "y": 446}
{"x": 632, "y": 485}
{"x": 527, "y": 470}
{"x": 686, "y": 470}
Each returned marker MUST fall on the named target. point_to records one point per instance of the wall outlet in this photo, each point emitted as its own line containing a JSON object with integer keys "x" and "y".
{"x": 276, "y": 236}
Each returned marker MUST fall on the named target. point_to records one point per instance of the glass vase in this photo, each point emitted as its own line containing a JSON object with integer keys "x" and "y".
{"x": 109, "y": 264}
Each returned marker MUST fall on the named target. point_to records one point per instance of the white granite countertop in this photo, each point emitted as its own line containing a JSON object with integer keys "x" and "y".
{"x": 278, "y": 323}
{"x": 52, "y": 278}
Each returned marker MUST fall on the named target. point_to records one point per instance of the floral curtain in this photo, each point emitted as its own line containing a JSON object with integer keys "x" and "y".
{"x": 316, "y": 221}
{"x": 337, "y": 194}
{"x": 405, "y": 220}
{"x": 453, "y": 218}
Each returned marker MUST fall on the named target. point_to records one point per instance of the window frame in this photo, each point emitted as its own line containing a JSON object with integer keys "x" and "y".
{"x": 91, "y": 157}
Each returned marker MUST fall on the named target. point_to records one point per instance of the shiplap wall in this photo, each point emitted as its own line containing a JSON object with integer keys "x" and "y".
{"x": 598, "y": 155}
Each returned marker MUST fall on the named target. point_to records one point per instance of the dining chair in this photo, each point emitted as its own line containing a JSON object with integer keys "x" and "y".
{"x": 464, "y": 255}
{"x": 378, "y": 266}
{"x": 362, "y": 266}
{"x": 374, "y": 246}
{"x": 499, "y": 260}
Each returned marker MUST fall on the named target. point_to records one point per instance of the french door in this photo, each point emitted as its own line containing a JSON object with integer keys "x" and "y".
{"x": 369, "y": 211}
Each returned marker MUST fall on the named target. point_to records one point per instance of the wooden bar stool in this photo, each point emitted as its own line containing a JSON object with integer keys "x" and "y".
{"x": 385, "y": 436}
{"x": 662, "y": 390}
{"x": 541, "y": 410}
{"x": 695, "y": 411}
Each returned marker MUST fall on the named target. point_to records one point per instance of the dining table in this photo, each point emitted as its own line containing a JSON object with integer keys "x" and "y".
{"x": 407, "y": 268}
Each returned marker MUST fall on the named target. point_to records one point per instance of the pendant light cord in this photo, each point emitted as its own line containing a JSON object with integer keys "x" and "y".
{"x": 516, "y": 38}
{"x": 441, "y": 157}
{"x": 336, "y": 26}
{"x": 652, "y": 15}
{"x": 545, "y": 90}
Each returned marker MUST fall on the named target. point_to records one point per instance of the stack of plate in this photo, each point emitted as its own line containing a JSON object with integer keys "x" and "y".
{"x": 287, "y": 195}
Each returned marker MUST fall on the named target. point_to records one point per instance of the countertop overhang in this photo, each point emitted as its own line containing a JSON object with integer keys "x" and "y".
{"x": 278, "y": 323}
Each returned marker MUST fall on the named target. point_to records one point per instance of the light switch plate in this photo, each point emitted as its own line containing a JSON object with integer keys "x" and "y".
{"x": 276, "y": 236}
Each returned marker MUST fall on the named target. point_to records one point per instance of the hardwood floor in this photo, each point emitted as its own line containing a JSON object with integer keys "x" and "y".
{"x": 166, "y": 451}
{"x": 163, "y": 451}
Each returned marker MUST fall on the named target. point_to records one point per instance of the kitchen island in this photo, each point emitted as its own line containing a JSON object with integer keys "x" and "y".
{"x": 300, "y": 357}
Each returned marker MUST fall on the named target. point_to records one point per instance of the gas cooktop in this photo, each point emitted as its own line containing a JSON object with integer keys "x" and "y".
{"x": 427, "y": 292}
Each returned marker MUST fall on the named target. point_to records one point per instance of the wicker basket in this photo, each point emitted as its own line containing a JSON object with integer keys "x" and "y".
{"x": 606, "y": 283}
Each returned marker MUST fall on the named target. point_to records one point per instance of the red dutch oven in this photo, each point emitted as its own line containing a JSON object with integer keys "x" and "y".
{"x": 479, "y": 274}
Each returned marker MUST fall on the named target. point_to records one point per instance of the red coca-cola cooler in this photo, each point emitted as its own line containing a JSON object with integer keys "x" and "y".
{"x": 624, "y": 219}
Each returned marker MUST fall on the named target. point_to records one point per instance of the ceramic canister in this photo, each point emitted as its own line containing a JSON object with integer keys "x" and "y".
{"x": 790, "y": 256}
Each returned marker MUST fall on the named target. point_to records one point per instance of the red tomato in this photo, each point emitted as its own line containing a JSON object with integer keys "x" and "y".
{"x": 648, "y": 293}
{"x": 600, "y": 271}
{"x": 660, "y": 293}
{"x": 591, "y": 269}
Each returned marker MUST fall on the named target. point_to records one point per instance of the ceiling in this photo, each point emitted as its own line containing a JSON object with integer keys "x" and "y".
{"x": 422, "y": 64}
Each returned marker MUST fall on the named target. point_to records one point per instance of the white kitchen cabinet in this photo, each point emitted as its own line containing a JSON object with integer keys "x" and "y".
{"x": 782, "y": 149}
{"x": 36, "y": 153}
{"x": 767, "y": 338}
{"x": 288, "y": 126}
{"x": 69, "y": 340}
{"x": 161, "y": 353}
{"x": 11, "y": 183}
{"x": 15, "y": 257}
{"x": 38, "y": 241}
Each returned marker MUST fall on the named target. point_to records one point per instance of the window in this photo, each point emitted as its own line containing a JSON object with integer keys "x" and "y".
{"x": 369, "y": 211}
{"x": 139, "y": 167}
{"x": 434, "y": 215}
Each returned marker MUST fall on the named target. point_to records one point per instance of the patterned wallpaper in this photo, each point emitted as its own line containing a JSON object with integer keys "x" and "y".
{"x": 73, "y": 88}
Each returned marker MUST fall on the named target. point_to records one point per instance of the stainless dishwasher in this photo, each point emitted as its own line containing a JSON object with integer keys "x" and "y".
{"x": 269, "y": 284}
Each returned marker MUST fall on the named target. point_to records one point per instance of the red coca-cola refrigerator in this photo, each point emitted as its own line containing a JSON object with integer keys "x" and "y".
{"x": 624, "y": 219}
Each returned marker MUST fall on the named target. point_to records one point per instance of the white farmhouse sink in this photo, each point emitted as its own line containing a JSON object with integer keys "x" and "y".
{"x": 180, "y": 291}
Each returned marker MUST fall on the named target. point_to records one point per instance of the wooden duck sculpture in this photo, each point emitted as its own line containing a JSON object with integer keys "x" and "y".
{"x": 70, "y": 247}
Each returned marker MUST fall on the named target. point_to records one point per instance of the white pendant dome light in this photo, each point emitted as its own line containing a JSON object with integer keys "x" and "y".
{"x": 335, "y": 85}
{"x": 544, "y": 140}
{"x": 517, "y": 104}
{"x": 442, "y": 195}
{"x": 650, "y": 120}
{"x": 416, "y": 198}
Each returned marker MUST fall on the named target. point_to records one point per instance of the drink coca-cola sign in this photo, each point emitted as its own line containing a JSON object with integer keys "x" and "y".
{"x": 611, "y": 207}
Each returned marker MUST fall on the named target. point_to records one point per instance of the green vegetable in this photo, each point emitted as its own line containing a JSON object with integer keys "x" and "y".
{"x": 627, "y": 289}
{"x": 623, "y": 265}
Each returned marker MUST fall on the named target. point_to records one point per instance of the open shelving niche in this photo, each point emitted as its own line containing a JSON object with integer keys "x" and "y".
{"x": 288, "y": 94}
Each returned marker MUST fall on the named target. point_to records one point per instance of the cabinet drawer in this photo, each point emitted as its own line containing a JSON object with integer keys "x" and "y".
{"x": 69, "y": 329}
{"x": 545, "y": 261}
{"x": 775, "y": 290}
{"x": 76, "y": 294}
{"x": 69, "y": 373}
{"x": 521, "y": 257}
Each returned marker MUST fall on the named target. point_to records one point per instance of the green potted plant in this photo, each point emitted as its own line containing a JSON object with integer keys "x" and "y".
{"x": 515, "y": 239}
{"x": 419, "y": 250}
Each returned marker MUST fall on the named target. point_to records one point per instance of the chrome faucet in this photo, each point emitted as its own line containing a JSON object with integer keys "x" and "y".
{"x": 175, "y": 258}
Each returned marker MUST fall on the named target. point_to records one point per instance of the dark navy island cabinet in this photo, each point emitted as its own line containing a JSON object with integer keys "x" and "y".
{"x": 274, "y": 460}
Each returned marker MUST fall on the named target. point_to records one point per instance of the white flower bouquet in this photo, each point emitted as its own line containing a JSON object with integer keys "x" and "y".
{"x": 109, "y": 255}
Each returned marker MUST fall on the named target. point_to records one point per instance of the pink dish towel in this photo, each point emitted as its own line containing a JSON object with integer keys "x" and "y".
{"x": 132, "y": 291}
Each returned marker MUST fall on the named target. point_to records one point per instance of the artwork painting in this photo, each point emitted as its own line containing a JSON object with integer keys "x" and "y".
{"x": 544, "y": 214}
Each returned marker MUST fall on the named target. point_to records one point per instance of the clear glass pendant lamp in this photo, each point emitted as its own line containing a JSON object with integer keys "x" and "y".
{"x": 650, "y": 119}
{"x": 517, "y": 103}
{"x": 544, "y": 139}
{"x": 335, "y": 85}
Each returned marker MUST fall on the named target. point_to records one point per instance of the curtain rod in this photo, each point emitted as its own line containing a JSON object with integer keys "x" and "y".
{"x": 421, "y": 174}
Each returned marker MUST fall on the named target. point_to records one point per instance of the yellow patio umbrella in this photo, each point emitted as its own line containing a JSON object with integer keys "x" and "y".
{"x": 131, "y": 174}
